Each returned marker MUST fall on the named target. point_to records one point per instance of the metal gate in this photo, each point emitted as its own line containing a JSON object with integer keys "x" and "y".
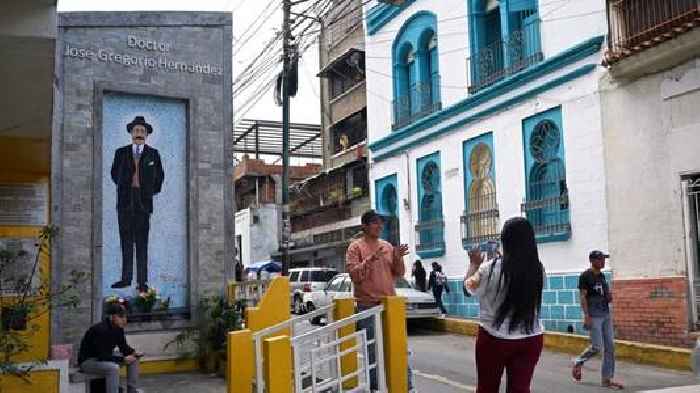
{"x": 691, "y": 189}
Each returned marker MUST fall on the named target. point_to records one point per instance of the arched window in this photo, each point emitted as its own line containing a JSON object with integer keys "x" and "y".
{"x": 390, "y": 210}
{"x": 480, "y": 221}
{"x": 430, "y": 228}
{"x": 416, "y": 73}
{"x": 547, "y": 205}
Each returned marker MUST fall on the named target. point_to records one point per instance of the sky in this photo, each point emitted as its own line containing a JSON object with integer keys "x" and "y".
{"x": 305, "y": 107}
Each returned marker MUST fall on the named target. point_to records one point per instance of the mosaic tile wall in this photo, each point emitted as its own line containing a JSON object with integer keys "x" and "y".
{"x": 561, "y": 310}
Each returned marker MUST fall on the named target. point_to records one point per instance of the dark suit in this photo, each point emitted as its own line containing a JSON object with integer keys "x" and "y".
{"x": 135, "y": 205}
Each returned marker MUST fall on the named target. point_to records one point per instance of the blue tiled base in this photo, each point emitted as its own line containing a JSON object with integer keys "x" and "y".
{"x": 560, "y": 311}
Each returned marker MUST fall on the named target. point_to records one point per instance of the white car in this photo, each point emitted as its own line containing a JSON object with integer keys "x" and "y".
{"x": 418, "y": 304}
{"x": 303, "y": 282}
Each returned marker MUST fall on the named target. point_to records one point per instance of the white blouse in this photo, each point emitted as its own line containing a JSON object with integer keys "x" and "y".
{"x": 490, "y": 299}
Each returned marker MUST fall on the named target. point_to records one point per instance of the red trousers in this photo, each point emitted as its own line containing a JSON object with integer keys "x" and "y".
{"x": 517, "y": 357}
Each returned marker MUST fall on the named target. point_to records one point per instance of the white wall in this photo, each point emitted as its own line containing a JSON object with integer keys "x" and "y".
{"x": 582, "y": 132}
{"x": 584, "y": 166}
{"x": 564, "y": 25}
{"x": 258, "y": 240}
{"x": 652, "y": 137}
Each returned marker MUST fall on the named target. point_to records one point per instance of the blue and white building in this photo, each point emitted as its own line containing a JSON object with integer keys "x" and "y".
{"x": 481, "y": 110}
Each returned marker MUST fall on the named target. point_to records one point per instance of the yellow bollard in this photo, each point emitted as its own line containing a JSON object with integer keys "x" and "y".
{"x": 273, "y": 308}
{"x": 277, "y": 366}
{"x": 343, "y": 308}
{"x": 395, "y": 344}
{"x": 241, "y": 362}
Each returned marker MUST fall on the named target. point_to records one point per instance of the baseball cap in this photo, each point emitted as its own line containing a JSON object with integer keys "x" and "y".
{"x": 597, "y": 254}
{"x": 115, "y": 309}
{"x": 369, "y": 216}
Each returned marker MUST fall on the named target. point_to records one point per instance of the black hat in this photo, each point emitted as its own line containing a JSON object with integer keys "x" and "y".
{"x": 597, "y": 254}
{"x": 369, "y": 216}
{"x": 115, "y": 309}
{"x": 139, "y": 121}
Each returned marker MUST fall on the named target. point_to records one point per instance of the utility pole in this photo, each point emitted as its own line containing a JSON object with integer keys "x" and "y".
{"x": 286, "y": 59}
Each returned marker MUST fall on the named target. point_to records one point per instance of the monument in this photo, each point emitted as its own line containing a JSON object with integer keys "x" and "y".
{"x": 141, "y": 164}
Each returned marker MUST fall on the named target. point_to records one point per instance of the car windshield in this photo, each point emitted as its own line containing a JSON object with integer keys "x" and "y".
{"x": 402, "y": 283}
{"x": 323, "y": 276}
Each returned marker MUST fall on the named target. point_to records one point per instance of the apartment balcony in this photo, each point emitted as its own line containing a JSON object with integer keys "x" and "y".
{"x": 421, "y": 100}
{"x": 636, "y": 25}
{"x": 503, "y": 58}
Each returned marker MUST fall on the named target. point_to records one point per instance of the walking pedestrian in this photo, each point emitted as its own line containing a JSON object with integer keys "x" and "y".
{"x": 374, "y": 264}
{"x": 96, "y": 357}
{"x": 595, "y": 295}
{"x": 418, "y": 274}
{"x": 438, "y": 283}
{"x": 510, "y": 294}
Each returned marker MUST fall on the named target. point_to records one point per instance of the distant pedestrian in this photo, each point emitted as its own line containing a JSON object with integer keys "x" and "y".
{"x": 510, "y": 294}
{"x": 374, "y": 265}
{"x": 595, "y": 297}
{"x": 438, "y": 283}
{"x": 418, "y": 274}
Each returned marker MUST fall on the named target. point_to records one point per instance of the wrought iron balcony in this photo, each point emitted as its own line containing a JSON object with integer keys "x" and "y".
{"x": 430, "y": 236}
{"x": 422, "y": 99}
{"x": 506, "y": 57}
{"x": 480, "y": 223}
{"x": 636, "y": 25}
{"x": 547, "y": 209}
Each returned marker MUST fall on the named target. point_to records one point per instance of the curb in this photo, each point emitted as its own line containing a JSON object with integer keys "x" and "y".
{"x": 651, "y": 354}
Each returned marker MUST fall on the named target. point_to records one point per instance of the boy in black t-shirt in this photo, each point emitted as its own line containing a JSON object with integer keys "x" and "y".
{"x": 595, "y": 302}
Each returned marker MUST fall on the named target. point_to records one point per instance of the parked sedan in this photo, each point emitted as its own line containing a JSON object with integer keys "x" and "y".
{"x": 418, "y": 304}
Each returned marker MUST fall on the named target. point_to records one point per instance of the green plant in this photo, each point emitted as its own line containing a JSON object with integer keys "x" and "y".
{"x": 215, "y": 318}
{"x": 25, "y": 296}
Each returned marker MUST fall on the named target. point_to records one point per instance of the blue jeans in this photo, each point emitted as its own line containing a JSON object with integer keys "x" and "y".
{"x": 602, "y": 339}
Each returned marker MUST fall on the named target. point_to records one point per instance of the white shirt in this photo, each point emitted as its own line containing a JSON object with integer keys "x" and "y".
{"x": 490, "y": 299}
{"x": 137, "y": 149}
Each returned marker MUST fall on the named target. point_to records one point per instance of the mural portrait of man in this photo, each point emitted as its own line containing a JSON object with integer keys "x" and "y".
{"x": 138, "y": 174}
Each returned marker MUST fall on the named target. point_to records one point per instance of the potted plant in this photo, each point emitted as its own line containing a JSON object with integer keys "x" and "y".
{"x": 26, "y": 294}
{"x": 215, "y": 319}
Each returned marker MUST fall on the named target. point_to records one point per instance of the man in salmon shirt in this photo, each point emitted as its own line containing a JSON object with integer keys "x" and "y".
{"x": 374, "y": 264}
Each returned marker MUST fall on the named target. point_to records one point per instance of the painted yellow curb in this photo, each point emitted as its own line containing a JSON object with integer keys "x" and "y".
{"x": 656, "y": 355}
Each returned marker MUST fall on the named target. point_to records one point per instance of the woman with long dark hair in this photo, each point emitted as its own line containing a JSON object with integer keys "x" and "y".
{"x": 510, "y": 294}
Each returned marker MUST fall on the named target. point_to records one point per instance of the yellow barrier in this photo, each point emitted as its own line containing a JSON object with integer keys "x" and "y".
{"x": 277, "y": 352}
{"x": 395, "y": 344}
{"x": 273, "y": 308}
{"x": 343, "y": 308}
{"x": 241, "y": 362}
{"x": 40, "y": 381}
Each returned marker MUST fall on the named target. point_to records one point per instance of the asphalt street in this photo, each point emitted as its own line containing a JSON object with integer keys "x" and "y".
{"x": 444, "y": 363}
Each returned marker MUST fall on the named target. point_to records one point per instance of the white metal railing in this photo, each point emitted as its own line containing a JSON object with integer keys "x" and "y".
{"x": 290, "y": 324}
{"x": 317, "y": 354}
{"x": 250, "y": 291}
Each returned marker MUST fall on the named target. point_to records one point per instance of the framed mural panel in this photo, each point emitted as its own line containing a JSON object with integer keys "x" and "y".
{"x": 144, "y": 182}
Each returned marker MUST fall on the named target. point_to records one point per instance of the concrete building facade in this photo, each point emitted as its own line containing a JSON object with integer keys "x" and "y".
{"x": 651, "y": 135}
{"x": 326, "y": 209}
{"x": 479, "y": 111}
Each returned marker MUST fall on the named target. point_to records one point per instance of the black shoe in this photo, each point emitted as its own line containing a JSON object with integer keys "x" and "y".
{"x": 143, "y": 288}
{"x": 121, "y": 284}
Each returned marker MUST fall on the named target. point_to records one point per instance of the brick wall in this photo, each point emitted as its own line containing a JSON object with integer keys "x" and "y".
{"x": 652, "y": 310}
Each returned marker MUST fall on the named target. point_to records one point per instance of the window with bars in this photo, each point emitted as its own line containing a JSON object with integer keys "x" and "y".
{"x": 547, "y": 193}
{"x": 480, "y": 221}
{"x": 430, "y": 230}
